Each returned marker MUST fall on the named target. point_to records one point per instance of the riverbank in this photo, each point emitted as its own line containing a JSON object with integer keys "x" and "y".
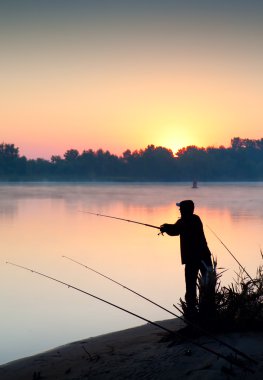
{"x": 141, "y": 353}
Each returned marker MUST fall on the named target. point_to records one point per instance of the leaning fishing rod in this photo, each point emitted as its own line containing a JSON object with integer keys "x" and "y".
{"x": 168, "y": 311}
{"x": 217, "y": 354}
{"x": 240, "y": 265}
{"x": 89, "y": 294}
{"x": 124, "y": 220}
{"x": 122, "y": 285}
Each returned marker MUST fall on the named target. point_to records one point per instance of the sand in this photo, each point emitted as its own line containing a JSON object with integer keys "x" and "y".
{"x": 141, "y": 353}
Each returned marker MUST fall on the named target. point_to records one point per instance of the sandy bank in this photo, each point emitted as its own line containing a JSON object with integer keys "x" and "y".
{"x": 140, "y": 353}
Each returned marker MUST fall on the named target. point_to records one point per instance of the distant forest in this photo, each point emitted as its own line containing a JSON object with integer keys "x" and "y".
{"x": 242, "y": 161}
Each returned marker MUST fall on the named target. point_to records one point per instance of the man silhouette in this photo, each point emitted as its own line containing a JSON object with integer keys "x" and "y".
{"x": 195, "y": 253}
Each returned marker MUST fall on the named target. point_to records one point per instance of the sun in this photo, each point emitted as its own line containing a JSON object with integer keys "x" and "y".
{"x": 175, "y": 139}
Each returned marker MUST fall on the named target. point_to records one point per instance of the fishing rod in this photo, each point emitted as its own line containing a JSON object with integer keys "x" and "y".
{"x": 125, "y": 220}
{"x": 168, "y": 311}
{"x": 240, "y": 265}
{"x": 89, "y": 294}
{"x": 174, "y": 333}
{"x": 160, "y": 233}
{"x": 123, "y": 286}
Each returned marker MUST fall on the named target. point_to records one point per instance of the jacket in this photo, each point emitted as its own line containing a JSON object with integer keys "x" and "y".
{"x": 193, "y": 243}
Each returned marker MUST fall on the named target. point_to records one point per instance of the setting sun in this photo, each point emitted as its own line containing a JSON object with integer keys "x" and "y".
{"x": 174, "y": 137}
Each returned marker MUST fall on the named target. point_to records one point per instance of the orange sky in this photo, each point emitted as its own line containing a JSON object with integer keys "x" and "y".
{"x": 116, "y": 78}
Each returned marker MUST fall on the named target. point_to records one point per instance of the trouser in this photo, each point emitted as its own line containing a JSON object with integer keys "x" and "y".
{"x": 191, "y": 274}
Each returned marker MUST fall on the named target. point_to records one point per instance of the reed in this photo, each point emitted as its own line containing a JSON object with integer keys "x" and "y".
{"x": 239, "y": 306}
{"x": 236, "y": 307}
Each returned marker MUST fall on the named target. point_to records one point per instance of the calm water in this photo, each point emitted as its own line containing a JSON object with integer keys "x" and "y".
{"x": 42, "y": 222}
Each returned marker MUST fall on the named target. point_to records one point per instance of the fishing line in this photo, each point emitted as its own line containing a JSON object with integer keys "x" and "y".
{"x": 240, "y": 265}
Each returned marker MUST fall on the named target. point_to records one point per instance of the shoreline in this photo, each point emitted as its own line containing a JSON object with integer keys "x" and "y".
{"x": 142, "y": 352}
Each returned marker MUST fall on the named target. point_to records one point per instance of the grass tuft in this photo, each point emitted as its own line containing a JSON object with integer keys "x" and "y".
{"x": 237, "y": 307}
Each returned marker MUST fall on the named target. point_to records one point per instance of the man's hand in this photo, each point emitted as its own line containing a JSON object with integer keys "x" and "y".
{"x": 163, "y": 228}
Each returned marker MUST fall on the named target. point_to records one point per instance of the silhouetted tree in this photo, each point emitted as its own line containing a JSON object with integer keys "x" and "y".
{"x": 10, "y": 162}
{"x": 56, "y": 159}
{"x": 8, "y": 151}
{"x": 71, "y": 154}
{"x": 243, "y": 160}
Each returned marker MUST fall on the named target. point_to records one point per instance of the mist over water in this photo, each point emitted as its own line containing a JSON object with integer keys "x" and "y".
{"x": 42, "y": 222}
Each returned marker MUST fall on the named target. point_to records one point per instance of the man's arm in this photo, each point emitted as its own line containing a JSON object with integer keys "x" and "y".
{"x": 171, "y": 229}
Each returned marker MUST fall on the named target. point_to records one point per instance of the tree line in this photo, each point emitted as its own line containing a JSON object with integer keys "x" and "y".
{"x": 242, "y": 161}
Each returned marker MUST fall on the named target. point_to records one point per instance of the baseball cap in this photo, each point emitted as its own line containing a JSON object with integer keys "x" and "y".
{"x": 188, "y": 204}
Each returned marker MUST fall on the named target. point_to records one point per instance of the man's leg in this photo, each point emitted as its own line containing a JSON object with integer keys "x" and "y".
{"x": 191, "y": 273}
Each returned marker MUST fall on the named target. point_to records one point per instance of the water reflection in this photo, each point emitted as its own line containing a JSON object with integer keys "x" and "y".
{"x": 239, "y": 199}
{"x": 42, "y": 222}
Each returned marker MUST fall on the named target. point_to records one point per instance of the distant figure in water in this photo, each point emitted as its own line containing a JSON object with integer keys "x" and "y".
{"x": 195, "y": 253}
{"x": 194, "y": 185}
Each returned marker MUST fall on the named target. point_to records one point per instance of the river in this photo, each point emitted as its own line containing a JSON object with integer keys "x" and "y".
{"x": 41, "y": 222}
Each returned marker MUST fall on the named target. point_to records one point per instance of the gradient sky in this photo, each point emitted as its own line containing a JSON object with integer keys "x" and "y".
{"x": 125, "y": 74}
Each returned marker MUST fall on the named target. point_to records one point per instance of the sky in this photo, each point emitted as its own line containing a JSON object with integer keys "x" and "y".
{"x": 120, "y": 75}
